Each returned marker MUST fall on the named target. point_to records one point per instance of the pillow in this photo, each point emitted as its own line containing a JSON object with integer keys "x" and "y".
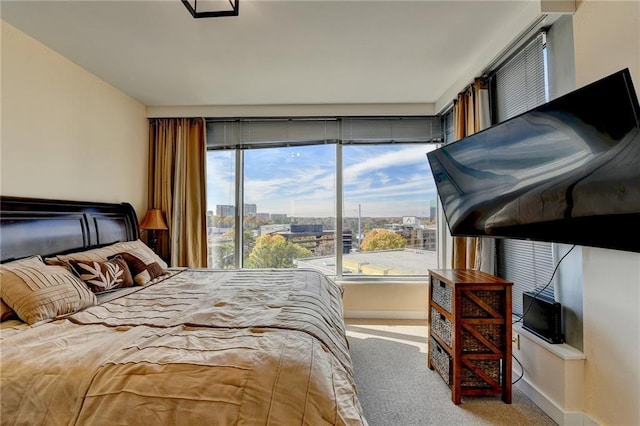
{"x": 137, "y": 248}
{"x": 5, "y": 311}
{"x": 103, "y": 276}
{"x": 36, "y": 291}
{"x": 141, "y": 269}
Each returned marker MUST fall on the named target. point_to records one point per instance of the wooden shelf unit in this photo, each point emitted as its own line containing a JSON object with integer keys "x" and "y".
{"x": 469, "y": 317}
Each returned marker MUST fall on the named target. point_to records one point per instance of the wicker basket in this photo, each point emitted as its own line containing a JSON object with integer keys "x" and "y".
{"x": 470, "y": 309}
{"x": 490, "y": 367}
{"x": 440, "y": 360}
{"x": 441, "y": 294}
{"x": 441, "y": 326}
{"x": 494, "y": 333}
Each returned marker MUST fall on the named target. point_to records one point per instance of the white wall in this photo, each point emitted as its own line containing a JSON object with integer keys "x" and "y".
{"x": 611, "y": 336}
{"x": 65, "y": 133}
{"x": 602, "y": 385}
{"x": 607, "y": 39}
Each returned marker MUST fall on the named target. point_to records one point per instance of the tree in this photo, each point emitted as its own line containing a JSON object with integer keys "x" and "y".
{"x": 223, "y": 248}
{"x": 382, "y": 239}
{"x": 224, "y": 221}
{"x": 326, "y": 246}
{"x": 274, "y": 251}
{"x": 255, "y": 222}
{"x": 224, "y": 256}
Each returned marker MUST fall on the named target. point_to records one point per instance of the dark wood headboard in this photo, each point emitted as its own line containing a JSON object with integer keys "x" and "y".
{"x": 30, "y": 226}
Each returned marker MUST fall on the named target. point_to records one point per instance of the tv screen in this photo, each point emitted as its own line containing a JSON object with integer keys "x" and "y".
{"x": 567, "y": 171}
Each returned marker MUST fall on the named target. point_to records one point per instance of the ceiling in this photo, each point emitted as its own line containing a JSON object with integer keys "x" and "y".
{"x": 277, "y": 52}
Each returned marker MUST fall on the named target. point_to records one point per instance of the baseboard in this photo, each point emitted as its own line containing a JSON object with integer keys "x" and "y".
{"x": 560, "y": 416}
{"x": 384, "y": 314}
{"x": 588, "y": 421}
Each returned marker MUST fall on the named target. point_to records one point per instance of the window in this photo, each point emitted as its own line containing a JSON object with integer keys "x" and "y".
{"x": 290, "y": 205}
{"x": 519, "y": 84}
{"x": 221, "y": 177}
{"x": 297, "y": 179}
{"x": 389, "y": 208}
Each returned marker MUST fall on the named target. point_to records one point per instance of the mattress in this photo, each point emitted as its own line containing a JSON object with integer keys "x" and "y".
{"x": 200, "y": 347}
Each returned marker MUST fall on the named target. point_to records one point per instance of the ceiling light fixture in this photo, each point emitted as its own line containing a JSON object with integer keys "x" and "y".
{"x": 211, "y": 8}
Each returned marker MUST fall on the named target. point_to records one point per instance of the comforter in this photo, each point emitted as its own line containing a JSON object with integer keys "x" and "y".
{"x": 209, "y": 347}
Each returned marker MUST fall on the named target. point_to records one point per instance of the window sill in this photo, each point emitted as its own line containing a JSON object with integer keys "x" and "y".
{"x": 378, "y": 279}
{"x": 560, "y": 350}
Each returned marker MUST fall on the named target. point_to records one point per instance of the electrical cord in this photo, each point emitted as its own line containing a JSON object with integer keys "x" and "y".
{"x": 529, "y": 307}
{"x": 526, "y": 311}
{"x": 521, "y": 370}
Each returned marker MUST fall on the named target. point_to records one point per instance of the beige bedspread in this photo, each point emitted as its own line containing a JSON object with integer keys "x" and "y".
{"x": 202, "y": 347}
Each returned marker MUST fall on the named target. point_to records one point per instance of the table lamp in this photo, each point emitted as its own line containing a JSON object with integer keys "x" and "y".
{"x": 153, "y": 222}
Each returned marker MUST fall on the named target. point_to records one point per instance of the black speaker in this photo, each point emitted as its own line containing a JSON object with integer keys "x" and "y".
{"x": 543, "y": 317}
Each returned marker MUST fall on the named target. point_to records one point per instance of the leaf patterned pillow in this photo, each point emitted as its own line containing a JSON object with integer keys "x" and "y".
{"x": 141, "y": 272}
{"x": 103, "y": 276}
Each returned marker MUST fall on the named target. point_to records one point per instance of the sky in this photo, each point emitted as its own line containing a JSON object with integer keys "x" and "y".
{"x": 385, "y": 180}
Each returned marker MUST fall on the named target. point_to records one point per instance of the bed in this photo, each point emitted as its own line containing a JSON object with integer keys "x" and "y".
{"x": 165, "y": 345}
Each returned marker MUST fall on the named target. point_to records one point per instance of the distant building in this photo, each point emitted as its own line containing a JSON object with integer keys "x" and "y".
{"x": 212, "y": 230}
{"x": 274, "y": 228}
{"x": 309, "y": 236}
{"x": 429, "y": 240}
{"x": 225, "y": 210}
{"x": 432, "y": 209}
{"x": 410, "y": 221}
{"x": 418, "y": 236}
{"x": 306, "y": 229}
{"x": 250, "y": 209}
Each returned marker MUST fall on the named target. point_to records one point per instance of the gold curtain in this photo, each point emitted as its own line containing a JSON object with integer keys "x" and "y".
{"x": 470, "y": 115}
{"x": 177, "y": 150}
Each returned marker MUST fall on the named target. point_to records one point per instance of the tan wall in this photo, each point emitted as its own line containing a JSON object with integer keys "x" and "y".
{"x": 377, "y": 300}
{"x": 607, "y": 39}
{"x": 66, "y": 134}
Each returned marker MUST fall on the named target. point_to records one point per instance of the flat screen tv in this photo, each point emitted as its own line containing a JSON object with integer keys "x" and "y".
{"x": 567, "y": 171}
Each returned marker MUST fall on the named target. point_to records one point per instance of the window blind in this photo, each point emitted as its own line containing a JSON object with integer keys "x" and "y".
{"x": 447, "y": 122}
{"x": 519, "y": 85}
{"x": 529, "y": 265}
{"x": 391, "y": 130}
{"x": 247, "y": 133}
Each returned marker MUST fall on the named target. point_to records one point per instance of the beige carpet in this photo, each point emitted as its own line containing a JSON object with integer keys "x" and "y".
{"x": 396, "y": 388}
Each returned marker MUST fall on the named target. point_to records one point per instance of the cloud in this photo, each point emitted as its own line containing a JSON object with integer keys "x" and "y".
{"x": 366, "y": 161}
{"x": 392, "y": 180}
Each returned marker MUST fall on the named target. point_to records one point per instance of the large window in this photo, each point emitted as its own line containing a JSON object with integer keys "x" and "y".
{"x": 290, "y": 205}
{"x": 289, "y": 183}
{"x": 389, "y": 208}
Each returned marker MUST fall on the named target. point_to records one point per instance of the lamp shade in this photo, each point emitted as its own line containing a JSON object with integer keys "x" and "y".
{"x": 153, "y": 219}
